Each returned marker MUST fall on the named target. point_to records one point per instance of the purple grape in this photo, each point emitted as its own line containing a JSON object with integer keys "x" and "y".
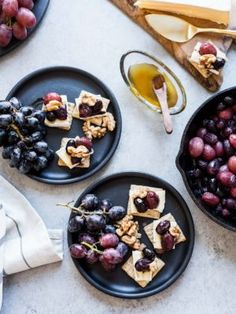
{"x": 78, "y": 251}
{"x": 85, "y": 237}
{"x": 85, "y": 110}
{"x": 76, "y": 224}
{"x": 195, "y": 147}
{"x": 112, "y": 256}
{"x": 167, "y": 242}
{"x": 163, "y": 227}
{"x": 210, "y": 138}
{"x": 109, "y": 240}
{"x": 61, "y": 113}
{"x": 92, "y": 257}
{"x": 210, "y": 199}
{"x": 122, "y": 248}
{"x": 142, "y": 265}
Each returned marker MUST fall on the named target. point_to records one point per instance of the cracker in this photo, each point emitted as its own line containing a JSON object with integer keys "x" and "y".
{"x": 150, "y": 229}
{"x": 78, "y": 101}
{"x": 128, "y": 267}
{"x": 150, "y": 213}
{"x": 63, "y": 156}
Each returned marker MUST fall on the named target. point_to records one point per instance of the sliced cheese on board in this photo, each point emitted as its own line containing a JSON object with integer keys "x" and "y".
{"x": 213, "y": 10}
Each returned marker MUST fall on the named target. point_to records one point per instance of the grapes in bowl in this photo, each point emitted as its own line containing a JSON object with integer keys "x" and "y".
{"x": 16, "y": 18}
{"x": 207, "y": 158}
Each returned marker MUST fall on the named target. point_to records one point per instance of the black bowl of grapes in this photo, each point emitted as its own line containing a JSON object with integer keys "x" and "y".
{"x": 207, "y": 158}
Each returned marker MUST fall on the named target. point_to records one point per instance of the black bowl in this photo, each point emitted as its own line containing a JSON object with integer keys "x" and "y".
{"x": 183, "y": 160}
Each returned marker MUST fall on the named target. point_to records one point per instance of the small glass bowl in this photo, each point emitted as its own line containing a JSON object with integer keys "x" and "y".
{"x": 134, "y": 57}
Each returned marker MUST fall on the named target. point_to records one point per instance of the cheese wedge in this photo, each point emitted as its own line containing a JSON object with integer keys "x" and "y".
{"x": 90, "y": 99}
{"x": 150, "y": 213}
{"x": 215, "y": 11}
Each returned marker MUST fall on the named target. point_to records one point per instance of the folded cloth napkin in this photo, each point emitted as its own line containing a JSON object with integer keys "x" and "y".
{"x": 25, "y": 242}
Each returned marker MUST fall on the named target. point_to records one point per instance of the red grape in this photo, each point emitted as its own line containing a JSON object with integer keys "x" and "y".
{"x": 226, "y": 114}
{"x": 51, "y": 96}
{"x": 207, "y": 48}
{"x": 232, "y": 164}
{"x": 78, "y": 251}
{"x": 152, "y": 200}
{"x": 210, "y": 199}
{"x": 112, "y": 256}
{"x": 29, "y": 4}
{"x": 196, "y": 146}
{"x": 232, "y": 140}
{"x": 219, "y": 149}
{"x": 227, "y": 178}
{"x": 109, "y": 240}
{"x": 208, "y": 152}
{"x": 233, "y": 192}
{"x": 84, "y": 141}
{"x": 10, "y": 7}
{"x": 19, "y": 31}
{"x": 26, "y": 18}
{"x": 5, "y": 35}
{"x": 223, "y": 168}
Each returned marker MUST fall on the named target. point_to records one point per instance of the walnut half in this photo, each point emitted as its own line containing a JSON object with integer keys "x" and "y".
{"x": 127, "y": 230}
{"x": 98, "y": 126}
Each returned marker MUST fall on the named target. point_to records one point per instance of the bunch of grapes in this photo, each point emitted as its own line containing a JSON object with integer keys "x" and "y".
{"x": 95, "y": 233}
{"x": 15, "y": 18}
{"x": 22, "y": 132}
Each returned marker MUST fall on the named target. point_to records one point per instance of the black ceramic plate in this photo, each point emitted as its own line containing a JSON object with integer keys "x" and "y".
{"x": 118, "y": 283}
{"x": 39, "y": 9}
{"x": 69, "y": 81}
{"x": 184, "y": 161}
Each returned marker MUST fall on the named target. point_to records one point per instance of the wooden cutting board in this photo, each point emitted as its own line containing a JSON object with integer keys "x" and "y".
{"x": 183, "y": 51}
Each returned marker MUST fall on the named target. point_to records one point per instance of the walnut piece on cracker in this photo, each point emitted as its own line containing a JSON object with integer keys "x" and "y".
{"x": 98, "y": 126}
{"x": 127, "y": 230}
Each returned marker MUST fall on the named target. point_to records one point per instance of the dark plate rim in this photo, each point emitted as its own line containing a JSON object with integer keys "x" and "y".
{"x": 181, "y": 152}
{"x": 17, "y": 43}
{"x": 115, "y": 107}
{"x": 189, "y": 218}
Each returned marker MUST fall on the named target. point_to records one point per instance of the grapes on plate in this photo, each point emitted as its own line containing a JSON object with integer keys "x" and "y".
{"x": 16, "y": 17}
{"x": 78, "y": 251}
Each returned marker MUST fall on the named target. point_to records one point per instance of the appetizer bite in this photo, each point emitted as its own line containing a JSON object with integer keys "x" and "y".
{"x": 89, "y": 105}
{"x": 207, "y": 58}
{"x": 145, "y": 201}
{"x": 143, "y": 266}
{"x": 75, "y": 153}
{"x": 58, "y": 111}
{"x": 164, "y": 234}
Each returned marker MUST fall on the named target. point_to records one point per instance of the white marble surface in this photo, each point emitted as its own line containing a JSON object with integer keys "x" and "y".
{"x": 92, "y": 35}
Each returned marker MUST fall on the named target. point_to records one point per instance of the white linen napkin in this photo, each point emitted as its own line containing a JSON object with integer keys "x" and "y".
{"x": 25, "y": 242}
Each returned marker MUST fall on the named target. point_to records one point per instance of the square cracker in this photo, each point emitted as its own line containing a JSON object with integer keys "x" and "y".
{"x": 151, "y": 228}
{"x": 128, "y": 267}
{"x": 64, "y": 159}
{"x": 62, "y": 124}
{"x": 78, "y": 101}
{"x": 150, "y": 213}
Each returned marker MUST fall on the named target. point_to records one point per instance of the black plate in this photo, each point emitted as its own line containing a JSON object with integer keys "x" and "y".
{"x": 117, "y": 283}
{"x": 69, "y": 81}
{"x": 39, "y": 9}
{"x": 184, "y": 161}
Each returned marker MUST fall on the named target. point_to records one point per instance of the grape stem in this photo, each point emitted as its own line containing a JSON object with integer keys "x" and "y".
{"x": 80, "y": 210}
{"x": 15, "y": 128}
{"x": 92, "y": 247}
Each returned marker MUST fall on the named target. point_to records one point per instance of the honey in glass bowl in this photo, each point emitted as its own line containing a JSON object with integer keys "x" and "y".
{"x": 141, "y": 76}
